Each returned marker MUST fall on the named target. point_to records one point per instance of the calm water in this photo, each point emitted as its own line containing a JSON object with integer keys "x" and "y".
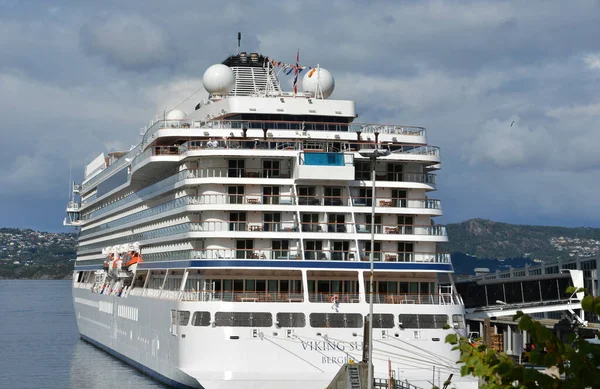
{"x": 40, "y": 345}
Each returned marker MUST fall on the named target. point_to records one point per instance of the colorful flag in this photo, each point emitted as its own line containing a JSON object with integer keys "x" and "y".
{"x": 296, "y": 72}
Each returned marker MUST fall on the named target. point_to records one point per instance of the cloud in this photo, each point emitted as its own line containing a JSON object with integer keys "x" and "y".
{"x": 592, "y": 60}
{"x": 102, "y": 70}
{"x": 129, "y": 42}
{"x": 507, "y": 144}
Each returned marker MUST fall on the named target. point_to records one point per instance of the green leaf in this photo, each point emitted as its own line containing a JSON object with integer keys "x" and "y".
{"x": 526, "y": 323}
{"x": 504, "y": 367}
{"x": 587, "y": 303}
{"x": 452, "y": 338}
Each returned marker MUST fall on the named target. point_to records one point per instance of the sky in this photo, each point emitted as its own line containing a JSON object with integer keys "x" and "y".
{"x": 78, "y": 78}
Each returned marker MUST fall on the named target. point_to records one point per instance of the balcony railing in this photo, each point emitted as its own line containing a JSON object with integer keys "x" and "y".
{"x": 419, "y": 150}
{"x": 403, "y": 229}
{"x": 327, "y": 298}
{"x": 286, "y": 125}
{"x": 250, "y": 143}
{"x": 416, "y": 298}
{"x": 225, "y": 172}
{"x": 242, "y": 297}
{"x": 397, "y": 202}
{"x": 330, "y": 298}
{"x": 197, "y": 200}
{"x": 398, "y": 177}
{"x": 295, "y": 254}
{"x": 290, "y": 226}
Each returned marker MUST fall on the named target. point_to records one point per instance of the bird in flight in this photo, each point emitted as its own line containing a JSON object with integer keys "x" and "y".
{"x": 513, "y": 122}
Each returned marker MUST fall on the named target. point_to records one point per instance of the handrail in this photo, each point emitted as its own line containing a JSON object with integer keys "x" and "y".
{"x": 242, "y": 297}
{"x": 285, "y": 125}
{"x": 201, "y": 199}
{"x": 294, "y": 254}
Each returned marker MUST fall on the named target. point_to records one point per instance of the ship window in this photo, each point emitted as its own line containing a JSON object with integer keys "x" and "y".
{"x": 236, "y": 194}
{"x": 243, "y": 319}
{"x": 394, "y": 172}
{"x": 365, "y": 197}
{"x": 408, "y": 321}
{"x": 362, "y": 171}
{"x": 280, "y": 249}
{"x": 336, "y": 320}
{"x": 270, "y": 195}
{"x": 383, "y": 320}
{"x": 235, "y": 168}
{"x": 237, "y": 221}
{"x": 423, "y": 321}
{"x": 271, "y": 169}
{"x": 458, "y": 321}
{"x": 201, "y": 319}
{"x": 183, "y": 317}
{"x": 291, "y": 319}
{"x": 306, "y": 195}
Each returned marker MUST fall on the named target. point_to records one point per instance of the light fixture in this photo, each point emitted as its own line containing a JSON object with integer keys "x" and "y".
{"x": 372, "y": 154}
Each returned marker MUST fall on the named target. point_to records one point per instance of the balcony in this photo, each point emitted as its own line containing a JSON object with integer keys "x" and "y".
{"x": 403, "y": 229}
{"x": 242, "y": 297}
{"x": 416, "y": 298}
{"x": 321, "y": 298}
{"x": 364, "y": 128}
{"x": 225, "y": 172}
{"x": 389, "y": 202}
{"x": 419, "y": 178}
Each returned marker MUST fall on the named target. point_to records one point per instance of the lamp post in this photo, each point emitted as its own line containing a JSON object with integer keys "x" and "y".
{"x": 372, "y": 154}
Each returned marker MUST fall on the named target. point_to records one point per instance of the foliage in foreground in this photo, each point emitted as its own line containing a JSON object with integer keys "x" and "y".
{"x": 575, "y": 360}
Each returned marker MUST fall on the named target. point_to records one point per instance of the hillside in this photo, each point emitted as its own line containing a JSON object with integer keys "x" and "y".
{"x": 488, "y": 239}
{"x": 36, "y": 255}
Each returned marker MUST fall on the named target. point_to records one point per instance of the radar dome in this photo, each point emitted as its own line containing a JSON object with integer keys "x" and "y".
{"x": 318, "y": 81}
{"x": 218, "y": 79}
{"x": 176, "y": 115}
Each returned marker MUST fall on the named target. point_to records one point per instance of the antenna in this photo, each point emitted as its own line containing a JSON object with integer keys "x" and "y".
{"x": 239, "y": 40}
{"x": 70, "y": 182}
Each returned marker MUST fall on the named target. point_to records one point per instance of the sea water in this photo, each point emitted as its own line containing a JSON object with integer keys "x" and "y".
{"x": 40, "y": 345}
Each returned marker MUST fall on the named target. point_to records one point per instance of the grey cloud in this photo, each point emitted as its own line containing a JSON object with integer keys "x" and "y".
{"x": 463, "y": 70}
{"x": 129, "y": 42}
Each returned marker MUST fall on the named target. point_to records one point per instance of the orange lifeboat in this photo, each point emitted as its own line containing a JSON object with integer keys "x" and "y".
{"x": 135, "y": 258}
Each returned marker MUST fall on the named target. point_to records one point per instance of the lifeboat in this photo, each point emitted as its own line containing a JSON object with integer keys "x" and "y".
{"x": 135, "y": 257}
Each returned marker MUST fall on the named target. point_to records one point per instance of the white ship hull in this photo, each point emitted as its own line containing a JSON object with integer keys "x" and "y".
{"x": 137, "y": 330}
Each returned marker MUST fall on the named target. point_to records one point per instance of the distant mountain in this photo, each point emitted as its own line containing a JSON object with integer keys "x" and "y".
{"x": 34, "y": 254}
{"x": 481, "y": 238}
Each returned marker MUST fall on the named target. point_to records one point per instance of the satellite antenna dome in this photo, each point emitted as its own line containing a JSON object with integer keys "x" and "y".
{"x": 176, "y": 115}
{"x": 218, "y": 79}
{"x": 318, "y": 81}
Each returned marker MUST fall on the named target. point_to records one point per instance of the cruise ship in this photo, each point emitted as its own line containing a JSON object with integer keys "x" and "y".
{"x": 231, "y": 248}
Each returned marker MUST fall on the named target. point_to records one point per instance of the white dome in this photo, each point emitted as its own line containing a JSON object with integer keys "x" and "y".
{"x": 218, "y": 79}
{"x": 176, "y": 115}
{"x": 321, "y": 79}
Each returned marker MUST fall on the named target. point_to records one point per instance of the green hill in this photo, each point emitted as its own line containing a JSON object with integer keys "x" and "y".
{"x": 488, "y": 239}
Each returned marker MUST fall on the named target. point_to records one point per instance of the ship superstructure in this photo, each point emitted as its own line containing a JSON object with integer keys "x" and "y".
{"x": 230, "y": 248}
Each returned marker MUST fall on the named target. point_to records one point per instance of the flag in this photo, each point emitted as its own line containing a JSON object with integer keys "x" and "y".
{"x": 296, "y": 72}
{"x": 311, "y": 73}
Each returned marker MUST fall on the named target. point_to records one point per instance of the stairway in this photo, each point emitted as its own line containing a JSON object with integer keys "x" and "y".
{"x": 353, "y": 377}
